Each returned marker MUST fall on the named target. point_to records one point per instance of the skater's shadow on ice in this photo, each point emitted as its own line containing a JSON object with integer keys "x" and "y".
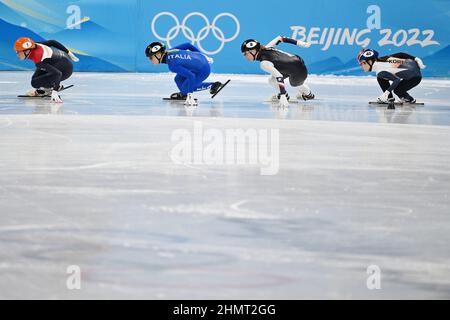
{"x": 400, "y": 115}
{"x": 44, "y": 107}
{"x": 300, "y": 112}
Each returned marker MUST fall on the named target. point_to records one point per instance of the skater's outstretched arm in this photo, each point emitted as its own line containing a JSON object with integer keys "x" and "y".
{"x": 59, "y": 46}
{"x": 402, "y": 55}
{"x": 55, "y": 44}
{"x": 281, "y": 39}
{"x": 187, "y": 46}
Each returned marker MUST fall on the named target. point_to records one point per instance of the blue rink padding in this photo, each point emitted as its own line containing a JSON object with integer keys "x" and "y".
{"x": 110, "y": 36}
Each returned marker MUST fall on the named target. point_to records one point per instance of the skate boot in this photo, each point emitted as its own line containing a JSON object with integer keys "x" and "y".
{"x": 309, "y": 96}
{"x": 276, "y": 98}
{"x": 178, "y": 96}
{"x": 408, "y": 99}
{"x": 215, "y": 87}
{"x": 44, "y": 92}
{"x": 273, "y": 98}
{"x": 41, "y": 92}
{"x": 60, "y": 88}
{"x": 32, "y": 93}
{"x": 287, "y": 96}
{"x": 304, "y": 93}
{"x": 390, "y": 100}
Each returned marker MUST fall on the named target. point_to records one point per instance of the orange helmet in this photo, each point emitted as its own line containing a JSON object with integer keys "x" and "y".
{"x": 23, "y": 44}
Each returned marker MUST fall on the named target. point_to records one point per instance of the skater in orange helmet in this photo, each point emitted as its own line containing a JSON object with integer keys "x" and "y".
{"x": 53, "y": 64}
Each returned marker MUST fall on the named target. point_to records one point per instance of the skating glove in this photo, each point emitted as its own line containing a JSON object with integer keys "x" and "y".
{"x": 283, "y": 101}
{"x": 420, "y": 63}
{"x": 190, "y": 101}
{"x": 73, "y": 57}
{"x": 303, "y": 44}
{"x": 210, "y": 60}
{"x": 55, "y": 97}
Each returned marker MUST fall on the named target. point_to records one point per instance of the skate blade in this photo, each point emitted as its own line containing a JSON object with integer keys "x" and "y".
{"x": 177, "y": 100}
{"x": 220, "y": 89}
{"x": 397, "y": 103}
{"x": 277, "y": 102}
{"x": 44, "y": 96}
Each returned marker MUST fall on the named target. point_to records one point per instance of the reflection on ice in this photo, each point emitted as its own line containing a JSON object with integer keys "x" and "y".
{"x": 338, "y": 99}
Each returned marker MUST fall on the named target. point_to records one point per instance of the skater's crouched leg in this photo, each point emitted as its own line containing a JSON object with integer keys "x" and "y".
{"x": 304, "y": 92}
{"x": 405, "y": 85}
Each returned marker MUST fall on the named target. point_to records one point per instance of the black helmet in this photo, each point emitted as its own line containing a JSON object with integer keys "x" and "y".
{"x": 367, "y": 55}
{"x": 154, "y": 48}
{"x": 250, "y": 44}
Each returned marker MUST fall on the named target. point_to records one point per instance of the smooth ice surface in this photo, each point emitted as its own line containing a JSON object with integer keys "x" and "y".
{"x": 338, "y": 98}
{"x": 92, "y": 184}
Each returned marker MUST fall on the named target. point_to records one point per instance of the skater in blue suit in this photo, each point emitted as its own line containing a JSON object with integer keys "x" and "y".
{"x": 192, "y": 68}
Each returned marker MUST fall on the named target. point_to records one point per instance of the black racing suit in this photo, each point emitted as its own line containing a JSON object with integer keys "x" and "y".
{"x": 408, "y": 76}
{"x": 54, "y": 69}
{"x": 290, "y": 66}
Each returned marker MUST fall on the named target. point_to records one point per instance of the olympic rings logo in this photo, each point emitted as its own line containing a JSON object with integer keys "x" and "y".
{"x": 202, "y": 34}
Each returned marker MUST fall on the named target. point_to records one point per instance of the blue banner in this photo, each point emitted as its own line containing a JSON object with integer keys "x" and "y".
{"x": 112, "y": 35}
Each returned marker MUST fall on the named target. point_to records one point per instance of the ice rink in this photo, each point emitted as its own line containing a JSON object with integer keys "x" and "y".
{"x": 91, "y": 183}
